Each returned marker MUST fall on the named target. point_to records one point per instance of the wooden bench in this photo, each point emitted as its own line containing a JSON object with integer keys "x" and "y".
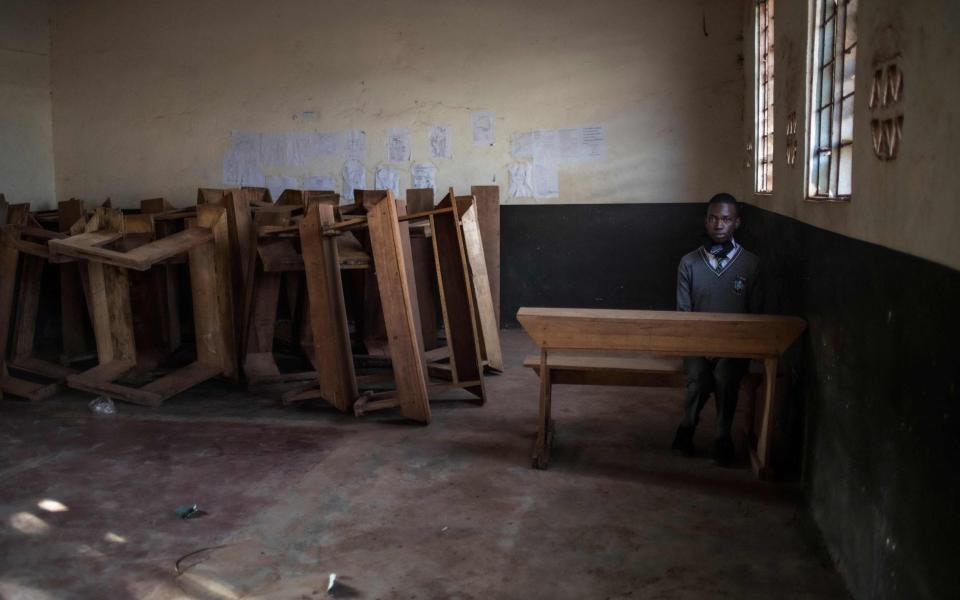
{"x": 604, "y": 347}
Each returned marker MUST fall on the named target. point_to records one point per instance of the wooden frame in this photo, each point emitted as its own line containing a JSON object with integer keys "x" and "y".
{"x": 207, "y": 247}
{"x": 762, "y": 337}
{"x": 23, "y": 244}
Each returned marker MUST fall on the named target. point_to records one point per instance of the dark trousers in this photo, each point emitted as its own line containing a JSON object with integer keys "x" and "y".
{"x": 721, "y": 376}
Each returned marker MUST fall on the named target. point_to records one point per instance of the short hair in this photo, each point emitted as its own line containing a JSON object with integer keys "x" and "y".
{"x": 724, "y": 198}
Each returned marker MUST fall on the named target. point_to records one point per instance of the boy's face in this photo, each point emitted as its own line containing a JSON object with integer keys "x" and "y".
{"x": 721, "y": 221}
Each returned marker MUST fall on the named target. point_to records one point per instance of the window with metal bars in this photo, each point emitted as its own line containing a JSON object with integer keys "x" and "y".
{"x": 833, "y": 59}
{"x": 764, "y": 96}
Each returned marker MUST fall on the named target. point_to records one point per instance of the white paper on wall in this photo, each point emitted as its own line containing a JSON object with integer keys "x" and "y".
{"x": 355, "y": 144}
{"x": 521, "y": 180}
{"x": 354, "y": 177}
{"x": 441, "y": 143}
{"x": 303, "y": 149}
{"x": 575, "y": 144}
{"x": 546, "y": 179}
{"x": 424, "y": 176}
{"x": 398, "y": 145}
{"x": 231, "y": 168}
{"x": 483, "y": 133}
{"x": 387, "y": 178}
{"x": 274, "y": 149}
{"x": 253, "y": 178}
{"x": 319, "y": 182}
{"x": 522, "y": 145}
{"x": 594, "y": 143}
{"x": 241, "y": 163}
{"x": 569, "y": 142}
{"x": 546, "y": 145}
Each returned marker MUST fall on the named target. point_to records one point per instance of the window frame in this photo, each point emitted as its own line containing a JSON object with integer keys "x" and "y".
{"x": 836, "y": 155}
{"x": 763, "y": 97}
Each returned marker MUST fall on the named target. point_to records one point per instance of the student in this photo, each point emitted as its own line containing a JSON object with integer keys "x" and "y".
{"x": 720, "y": 276}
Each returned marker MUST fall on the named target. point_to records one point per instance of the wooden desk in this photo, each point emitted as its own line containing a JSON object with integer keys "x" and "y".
{"x": 662, "y": 333}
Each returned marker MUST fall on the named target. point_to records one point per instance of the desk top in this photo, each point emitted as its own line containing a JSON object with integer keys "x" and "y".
{"x": 663, "y": 332}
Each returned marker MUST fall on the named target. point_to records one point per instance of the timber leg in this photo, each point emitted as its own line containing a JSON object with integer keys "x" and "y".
{"x": 761, "y": 459}
{"x": 541, "y": 450}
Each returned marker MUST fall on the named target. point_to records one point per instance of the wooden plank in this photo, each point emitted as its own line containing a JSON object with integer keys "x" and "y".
{"x": 180, "y": 380}
{"x": 266, "y": 297}
{"x": 487, "y": 201}
{"x": 607, "y": 361}
{"x": 28, "y": 303}
{"x": 72, "y": 298}
{"x": 351, "y": 253}
{"x": 410, "y": 275}
{"x": 114, "y": 390}
{"x": 426, "y": 277}
{"x": 486, "y": 309}
{"x": 541, "y": 448}
{"x": 9, "y": 258}
{"x": 42, "y": 368}
{"x": 210, "y": 278}
{"x": 459, "y": 311}
{"x": 661, "y": 332}
{"x": 398, "y": 310}
{"x": 243, "y": 251}
{"x": 106, "y": 372}
{"x": 139, "y": 259}
{"x": 112, "y": 317}
{"x": 279, "y": 255}
{"x": 419, "y": 199}
{"x": 29, "y": 390}
{"x": 328, "y": 315}
{"x": 209, "y": 196}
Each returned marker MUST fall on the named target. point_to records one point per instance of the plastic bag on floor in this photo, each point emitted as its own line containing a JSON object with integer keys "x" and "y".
{"x": 102, "y": 405}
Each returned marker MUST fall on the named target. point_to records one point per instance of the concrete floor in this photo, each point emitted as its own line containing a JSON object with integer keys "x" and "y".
{"x": 452, "y": 510}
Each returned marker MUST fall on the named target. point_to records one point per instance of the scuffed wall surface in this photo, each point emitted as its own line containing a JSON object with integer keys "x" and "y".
{"x": 146, "y": 94}
{"x": 26, "y": 136}
{"x": 908, "y": 204}
{"x": 879, "y": 379}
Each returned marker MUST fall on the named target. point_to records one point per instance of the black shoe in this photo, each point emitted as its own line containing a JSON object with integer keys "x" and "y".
{"x": 683, "y": 441}
{"x": 723, "y": 452}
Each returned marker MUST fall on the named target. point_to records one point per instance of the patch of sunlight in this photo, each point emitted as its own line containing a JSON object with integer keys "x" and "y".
{"x": 52, "y": 505}
{"x": 211, "y": 587}
{"x": 12, "y": 589}
{"x": 85, "y": 550}
{"x": 25, "y": 522}
{"x": 116, "y": 539}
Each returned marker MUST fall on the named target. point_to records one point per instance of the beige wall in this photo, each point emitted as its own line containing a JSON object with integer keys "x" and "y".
{"x": 146, "y": 94}
{"x": 26, "y": 137}
{"x": 911, "y": 203}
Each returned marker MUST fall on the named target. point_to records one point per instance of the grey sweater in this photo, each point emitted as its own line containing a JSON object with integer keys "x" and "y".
{"x": 735, "y": 289}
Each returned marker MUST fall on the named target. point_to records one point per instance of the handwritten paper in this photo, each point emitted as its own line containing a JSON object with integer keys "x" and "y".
{"x": 483, "y": 133}
{"x": 398, "y": 145}
{"x": 521, "y": 180}
{"x": 566, "y": 145}
{"x": 546, "y": 179}
{"x": 354, "y": 177}
{"x": 424, "y": 176}
{"x": 387, "y": 178}
{"x": 355, "y": 144}
{"x": 441, "y": 144}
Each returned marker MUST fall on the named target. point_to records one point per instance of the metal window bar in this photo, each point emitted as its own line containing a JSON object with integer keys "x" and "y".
{"x": 832, "y": 99}
{"x": 764, "y": 96}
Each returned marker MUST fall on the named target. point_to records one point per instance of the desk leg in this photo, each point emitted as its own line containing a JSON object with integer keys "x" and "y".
{"x": 541, "y": 451}
{"x": 761, "y": 460}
